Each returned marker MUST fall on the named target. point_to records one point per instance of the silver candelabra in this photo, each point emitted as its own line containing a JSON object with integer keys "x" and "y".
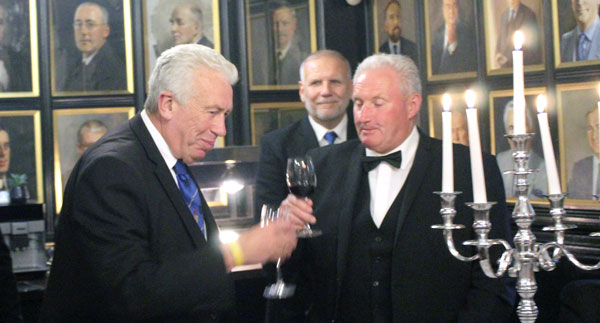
{"x": 527, "y": 256}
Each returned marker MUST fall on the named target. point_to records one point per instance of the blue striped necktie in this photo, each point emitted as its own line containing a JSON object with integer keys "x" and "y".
{"x": 330, "y": 137}
{"x": 190, "y": 192}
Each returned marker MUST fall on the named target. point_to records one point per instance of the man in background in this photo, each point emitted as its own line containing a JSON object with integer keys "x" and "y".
{"x": 378, "y": 259}
{"x": 325, "y": 88}
{"x": 538, "y": 180}
{"x": 288, "y": 51}
{"x": 136, "y": 240}
{"x": 518, "y": 16}
{"x": 453, "y": 48}
{"x": 583, "y": 42}
{"x": 186, "y": 25}
{"x": 396, "y": 44}
{"x": 584, "y": 182}
{"x": 99, "y": 68}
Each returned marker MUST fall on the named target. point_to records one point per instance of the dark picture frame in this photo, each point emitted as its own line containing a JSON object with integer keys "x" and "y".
{"x": 499, "y": 31}
{"x": 564, "y": 25}
{"x": 267, "y": 117}
{"x": 499, "y": 102}
{"x": 19, "y": 70}
{"x": 67, "y": 146}
{"x": 574, "y": 101}
{"x": 113, "y": 51}
{"x": 158, "y": 34}
{"x": 267, "y": 71}
{"x": 462, "y": 63}
{"x": 385, "y": 13}
{"x": 25, "y": 137}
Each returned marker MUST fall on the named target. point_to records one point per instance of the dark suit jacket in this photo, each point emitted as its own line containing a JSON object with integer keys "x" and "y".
{"x": 428, "y": 283}
{"x": 276, "y": 147}
{"x": 525, "y": 21}
{"x": 206, "y": 42}
{"x": 581, "y": 182}
{"x": 407, "y": 48}
{"x": 9, "y": 298}
{"x": 18, "y": 67}
{"x": 105, "y": 72}
{"x": 127, "y": 247}
{"x": 464, "y": 57}
{"x": 285, "y": 71}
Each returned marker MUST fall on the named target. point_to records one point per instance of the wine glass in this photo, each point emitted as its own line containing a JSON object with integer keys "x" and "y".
{"x": 279, "y": 289}
{"x": 302, "y": 180}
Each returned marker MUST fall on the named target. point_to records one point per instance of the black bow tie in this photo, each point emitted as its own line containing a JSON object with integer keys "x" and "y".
{"x": 369, "y": 163}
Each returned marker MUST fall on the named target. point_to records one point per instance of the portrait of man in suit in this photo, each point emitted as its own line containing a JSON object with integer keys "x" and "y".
{"x": 15, "y": 65}
{"x": 288, "y": 51}
{"x": 98, "y": 67}
{"x": 460, "y": 131}
{"x": 142, "y": 243}
{"x": 325, "y": 89}
{"x": 453, "y": 47}
{"x": 378, "y": 259}
{"x": 517, "y": 16}
{"x": 585, "y": 181}
{"x": 395, "y": 42}
{"x": 537, "y": 181}
{"x": 186, "y": 25}
{"x": 582, "y": 42}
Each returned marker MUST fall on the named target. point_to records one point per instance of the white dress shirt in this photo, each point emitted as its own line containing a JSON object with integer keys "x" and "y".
{"x": 340, "y": 130}
{"x": 386, "y": 181}
{"x": 161, "y": 144}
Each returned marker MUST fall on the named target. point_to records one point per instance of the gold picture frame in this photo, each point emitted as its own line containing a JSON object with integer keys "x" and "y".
{"x": 265, "y": 117}
{"x": 70, "y": 141}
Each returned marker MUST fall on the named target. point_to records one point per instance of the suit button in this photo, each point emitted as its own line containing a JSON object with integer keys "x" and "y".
{"x": 377, "y": 239}
{"x": 376, "y": 283}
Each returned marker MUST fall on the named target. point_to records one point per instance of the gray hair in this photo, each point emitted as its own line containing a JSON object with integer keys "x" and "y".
{"x": 175, "y": 68}
{"x": 102, "y": 10}
{"x": 404, "y": 67}
{"x": 323, "y": 53}
{"x": 510, "y": 107}
{"x": 91, "y": 126}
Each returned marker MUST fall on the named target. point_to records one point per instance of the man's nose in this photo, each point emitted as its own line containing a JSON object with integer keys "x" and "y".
{"x": 219, "y": 126}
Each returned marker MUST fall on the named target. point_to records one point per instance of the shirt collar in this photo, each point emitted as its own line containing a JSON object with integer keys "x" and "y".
{"x": 159, "y": 141}
{"x": 591, "y": 31}
{"x": 88, "y": 60}
{"x": 408, "y": 148}
{"x": 340, "y": 130}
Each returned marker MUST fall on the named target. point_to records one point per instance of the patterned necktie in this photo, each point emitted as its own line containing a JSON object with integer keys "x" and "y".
{"x": 188, "y": 188}
{"x": 330, "y": 137}
{"x": 369, "y": 162}
{"x": 583, "y": 47}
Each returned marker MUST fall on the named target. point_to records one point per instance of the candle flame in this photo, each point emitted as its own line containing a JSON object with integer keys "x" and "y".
{"x": 470, "y": 98}
{"x": 446, "y": 102}
{"x": 541, "y": 103}
{"x": 518, "y": 39}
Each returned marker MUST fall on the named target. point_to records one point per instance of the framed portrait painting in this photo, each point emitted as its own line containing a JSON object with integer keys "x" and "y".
{"x": 501, "y": 121}
{"x": 579, "y": 144}
{"x": 460, "y": 133}
{"x": 266, "y": 117}
{"x": 75, "y": 130}
{"x": 21, "y": 150}
{"x": 280, "y": 35}
{"x": 451, "y": 39}
{"x": 18, "y": 49}
{"x": 569, "y": 18}
{"x": 394, "y": 27}
{"x": 502, "y": 20}
{"x": 173, "y": 22}
{"x": 90, "y": 47}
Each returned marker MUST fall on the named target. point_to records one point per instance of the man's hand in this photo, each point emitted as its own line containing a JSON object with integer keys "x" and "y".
{"x": 299, "y": 210}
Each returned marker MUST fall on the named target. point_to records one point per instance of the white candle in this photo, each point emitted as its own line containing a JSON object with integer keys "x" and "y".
{"x": 479, "y": 193}
{"x": 518, "y": 85}
{"x": 551, "y": 170}
{"x": 447, "y": 162}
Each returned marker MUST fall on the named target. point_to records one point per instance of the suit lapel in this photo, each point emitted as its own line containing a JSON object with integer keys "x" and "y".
{"x": 413, "y": 182}
{"x": 344, "y": 223}
{"x": 308, "y": 134}
{"x": 163, "y": 174}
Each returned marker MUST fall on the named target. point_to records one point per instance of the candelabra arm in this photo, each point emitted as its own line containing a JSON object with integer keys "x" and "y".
{"x": 543, "y": 252}
{"x": 452, "y": 248}
{"x": 448, "y": 211}
{"x": 503, "y": 262}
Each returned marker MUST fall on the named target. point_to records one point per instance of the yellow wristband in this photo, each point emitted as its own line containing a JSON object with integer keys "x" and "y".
{"x": 236, "y": 252}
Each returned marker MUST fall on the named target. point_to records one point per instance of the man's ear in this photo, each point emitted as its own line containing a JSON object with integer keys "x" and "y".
{"x": 301, "y": 91}
{"x": 414, "y": 105}
{"x": 166, "y": 105}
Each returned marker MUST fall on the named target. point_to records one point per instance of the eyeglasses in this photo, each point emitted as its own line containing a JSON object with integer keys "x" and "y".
{"x": 88, "y": 24}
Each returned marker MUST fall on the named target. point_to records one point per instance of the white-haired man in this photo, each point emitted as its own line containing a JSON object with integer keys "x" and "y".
{"x": 136, "y": 240}
{"x": 378, "y": 260}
